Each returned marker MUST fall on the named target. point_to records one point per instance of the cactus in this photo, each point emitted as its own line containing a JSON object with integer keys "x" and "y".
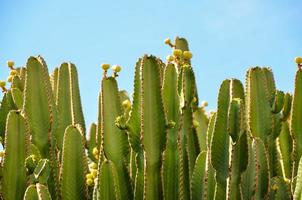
{"x": 159, "y": 144}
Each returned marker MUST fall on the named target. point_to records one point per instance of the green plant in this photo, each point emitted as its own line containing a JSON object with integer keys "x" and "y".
{"x": 160, "y": 144}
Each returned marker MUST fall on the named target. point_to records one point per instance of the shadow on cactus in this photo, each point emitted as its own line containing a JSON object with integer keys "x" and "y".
{"x": 159, "y": 144}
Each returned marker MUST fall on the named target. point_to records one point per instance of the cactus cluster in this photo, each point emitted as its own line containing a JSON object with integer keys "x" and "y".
{"x": 159, "y": 144}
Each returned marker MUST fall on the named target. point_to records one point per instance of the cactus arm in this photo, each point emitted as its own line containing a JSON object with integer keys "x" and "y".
{"x": 14, "y": 172}
{"x": 201, "y": 130}
{"x": 298, "y": 187}
{"x": 286, "y": 106}
{"x": 258, "y": 106}
{"x": 17, "y": 97}
{"x": 286, "y": 149}
{"x": 220, "y": 140}
{"x": 54, "y": 82}
{"x": 171, "y": 104}
{"x": 109, "y": 188}
{"x": 31, "y": 193}
{"x": 63, "y": 102}
{"x": 262, "y": 170}
{"x": 198, "y": 177}
{"x": 139, "y": 177}
{"x": 280, "y": 190}
{"x": 115, "y": 143}
{"x": 37, "y": 94}
{"x": 153, "y": 127}
{"x": 76, "y": 107}
{"x": 210, "y": 171}
{"x": 74, "y": 165}
{"x": 134, "y": 122}
{"x": 296, "y": 118}
{"x": 43, "y": 192}
{"x": 7, "y": 104}
{"x": 239, "y": 162}
{"x": 188, "y": 135}
{"x": 92, "y": 143}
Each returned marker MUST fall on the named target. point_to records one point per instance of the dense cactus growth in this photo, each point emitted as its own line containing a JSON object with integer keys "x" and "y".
{"x": 158, "y": 144}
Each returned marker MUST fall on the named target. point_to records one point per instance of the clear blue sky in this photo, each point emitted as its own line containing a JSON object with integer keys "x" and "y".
{"x": 226, "y": 37}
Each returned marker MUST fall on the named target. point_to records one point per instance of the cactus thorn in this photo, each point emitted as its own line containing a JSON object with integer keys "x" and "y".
{"x": 11, "y": 64}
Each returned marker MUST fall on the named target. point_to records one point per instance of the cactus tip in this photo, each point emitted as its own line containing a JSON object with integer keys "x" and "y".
{"x": 105, "y": 66}
{"x": 298, "y": 60}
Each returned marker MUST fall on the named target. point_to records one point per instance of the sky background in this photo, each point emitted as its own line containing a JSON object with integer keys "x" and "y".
{"x": 226, "y": 37}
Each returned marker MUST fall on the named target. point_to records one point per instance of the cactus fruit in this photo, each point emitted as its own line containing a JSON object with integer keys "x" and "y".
{"x": 160, "y": 144}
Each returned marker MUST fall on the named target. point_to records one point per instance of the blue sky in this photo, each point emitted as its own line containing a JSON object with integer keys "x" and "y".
{"x": 226, "y": 37}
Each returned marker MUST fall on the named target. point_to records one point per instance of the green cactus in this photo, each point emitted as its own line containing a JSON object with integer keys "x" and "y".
{"x": 159, "y": 144}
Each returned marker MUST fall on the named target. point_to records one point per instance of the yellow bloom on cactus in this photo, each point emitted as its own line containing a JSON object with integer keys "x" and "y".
{"x": 167, "y": 41}
{"x": 170, "y": 58}
{"x": 10, "y": 79}
{"x": 177, "y": 52}
{"x": 187, "y": 55}
{"x": 195, "y": 123}
{"x": 126, "y": 104}
{"x": 93, "y": 165}
{"x": 94, "y": 173}
{"x": 105, "y": 66}
{"x": 2, "y": 83}
{"x": 89, "y": 182}
{"x": 204, "y": 104}
{"x": 13, "y": 72}
{"x": 298, "y": 60}
{"x": 2, "y": 154}
{"x": 10, "y": 63}
{"x": 95, "y": 151}
{"x": 116, "y": 68}
{"x": 89, "y": 176}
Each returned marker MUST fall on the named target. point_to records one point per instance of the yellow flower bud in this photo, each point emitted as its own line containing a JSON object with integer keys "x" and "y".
{"x": 177, "y": 52}
{"x": 2, "y": 83}
{"x": 126, "y": 104}
{"x": 195, "y": 123}
{"x": 94, "y": 173}
{"x": 10, "y": 78}
{"x": 170, "y": 58}
{"x": 2, "y": 154}
{"x": 10, "y": 63}
{"x": 95, "y": 151}
{"x": 105, "y": 66}
{"x": 187, "y": 55}
{"x": 13, "y": 72}
{"x": 89, "y": 182}
{"x": 204, "y": 104}
{"x": 298, "y": 60}
{"x": 167, "y": 41}
{"x": 89, "y": 176}
{"x": 93, "y": 165}
{"x": 116, "y": 68}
